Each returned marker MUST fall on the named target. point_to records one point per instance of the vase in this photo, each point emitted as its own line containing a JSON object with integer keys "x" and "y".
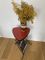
{"x": 20, "y": 33}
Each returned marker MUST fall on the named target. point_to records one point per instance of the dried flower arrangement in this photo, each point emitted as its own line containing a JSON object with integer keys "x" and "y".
{"x": 25, "y": 13}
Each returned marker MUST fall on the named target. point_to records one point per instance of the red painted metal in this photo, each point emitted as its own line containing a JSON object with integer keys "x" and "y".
{"x": 20, "y": 33}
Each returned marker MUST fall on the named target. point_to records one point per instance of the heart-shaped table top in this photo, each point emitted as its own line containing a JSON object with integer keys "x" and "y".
{"x": 20, "y": 33}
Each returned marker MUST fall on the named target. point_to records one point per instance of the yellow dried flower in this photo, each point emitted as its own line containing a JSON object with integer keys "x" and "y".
{"x": 25, "y": 13}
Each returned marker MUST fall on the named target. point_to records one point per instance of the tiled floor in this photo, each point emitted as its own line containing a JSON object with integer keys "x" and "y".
{"x": 10, "y": 51}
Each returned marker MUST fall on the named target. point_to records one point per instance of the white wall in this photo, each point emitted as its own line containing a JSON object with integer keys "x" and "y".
{"x": 8, "y": 19}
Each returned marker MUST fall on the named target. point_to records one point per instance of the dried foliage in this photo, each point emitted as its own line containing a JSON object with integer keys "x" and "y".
{"x": 25, "y": 13}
